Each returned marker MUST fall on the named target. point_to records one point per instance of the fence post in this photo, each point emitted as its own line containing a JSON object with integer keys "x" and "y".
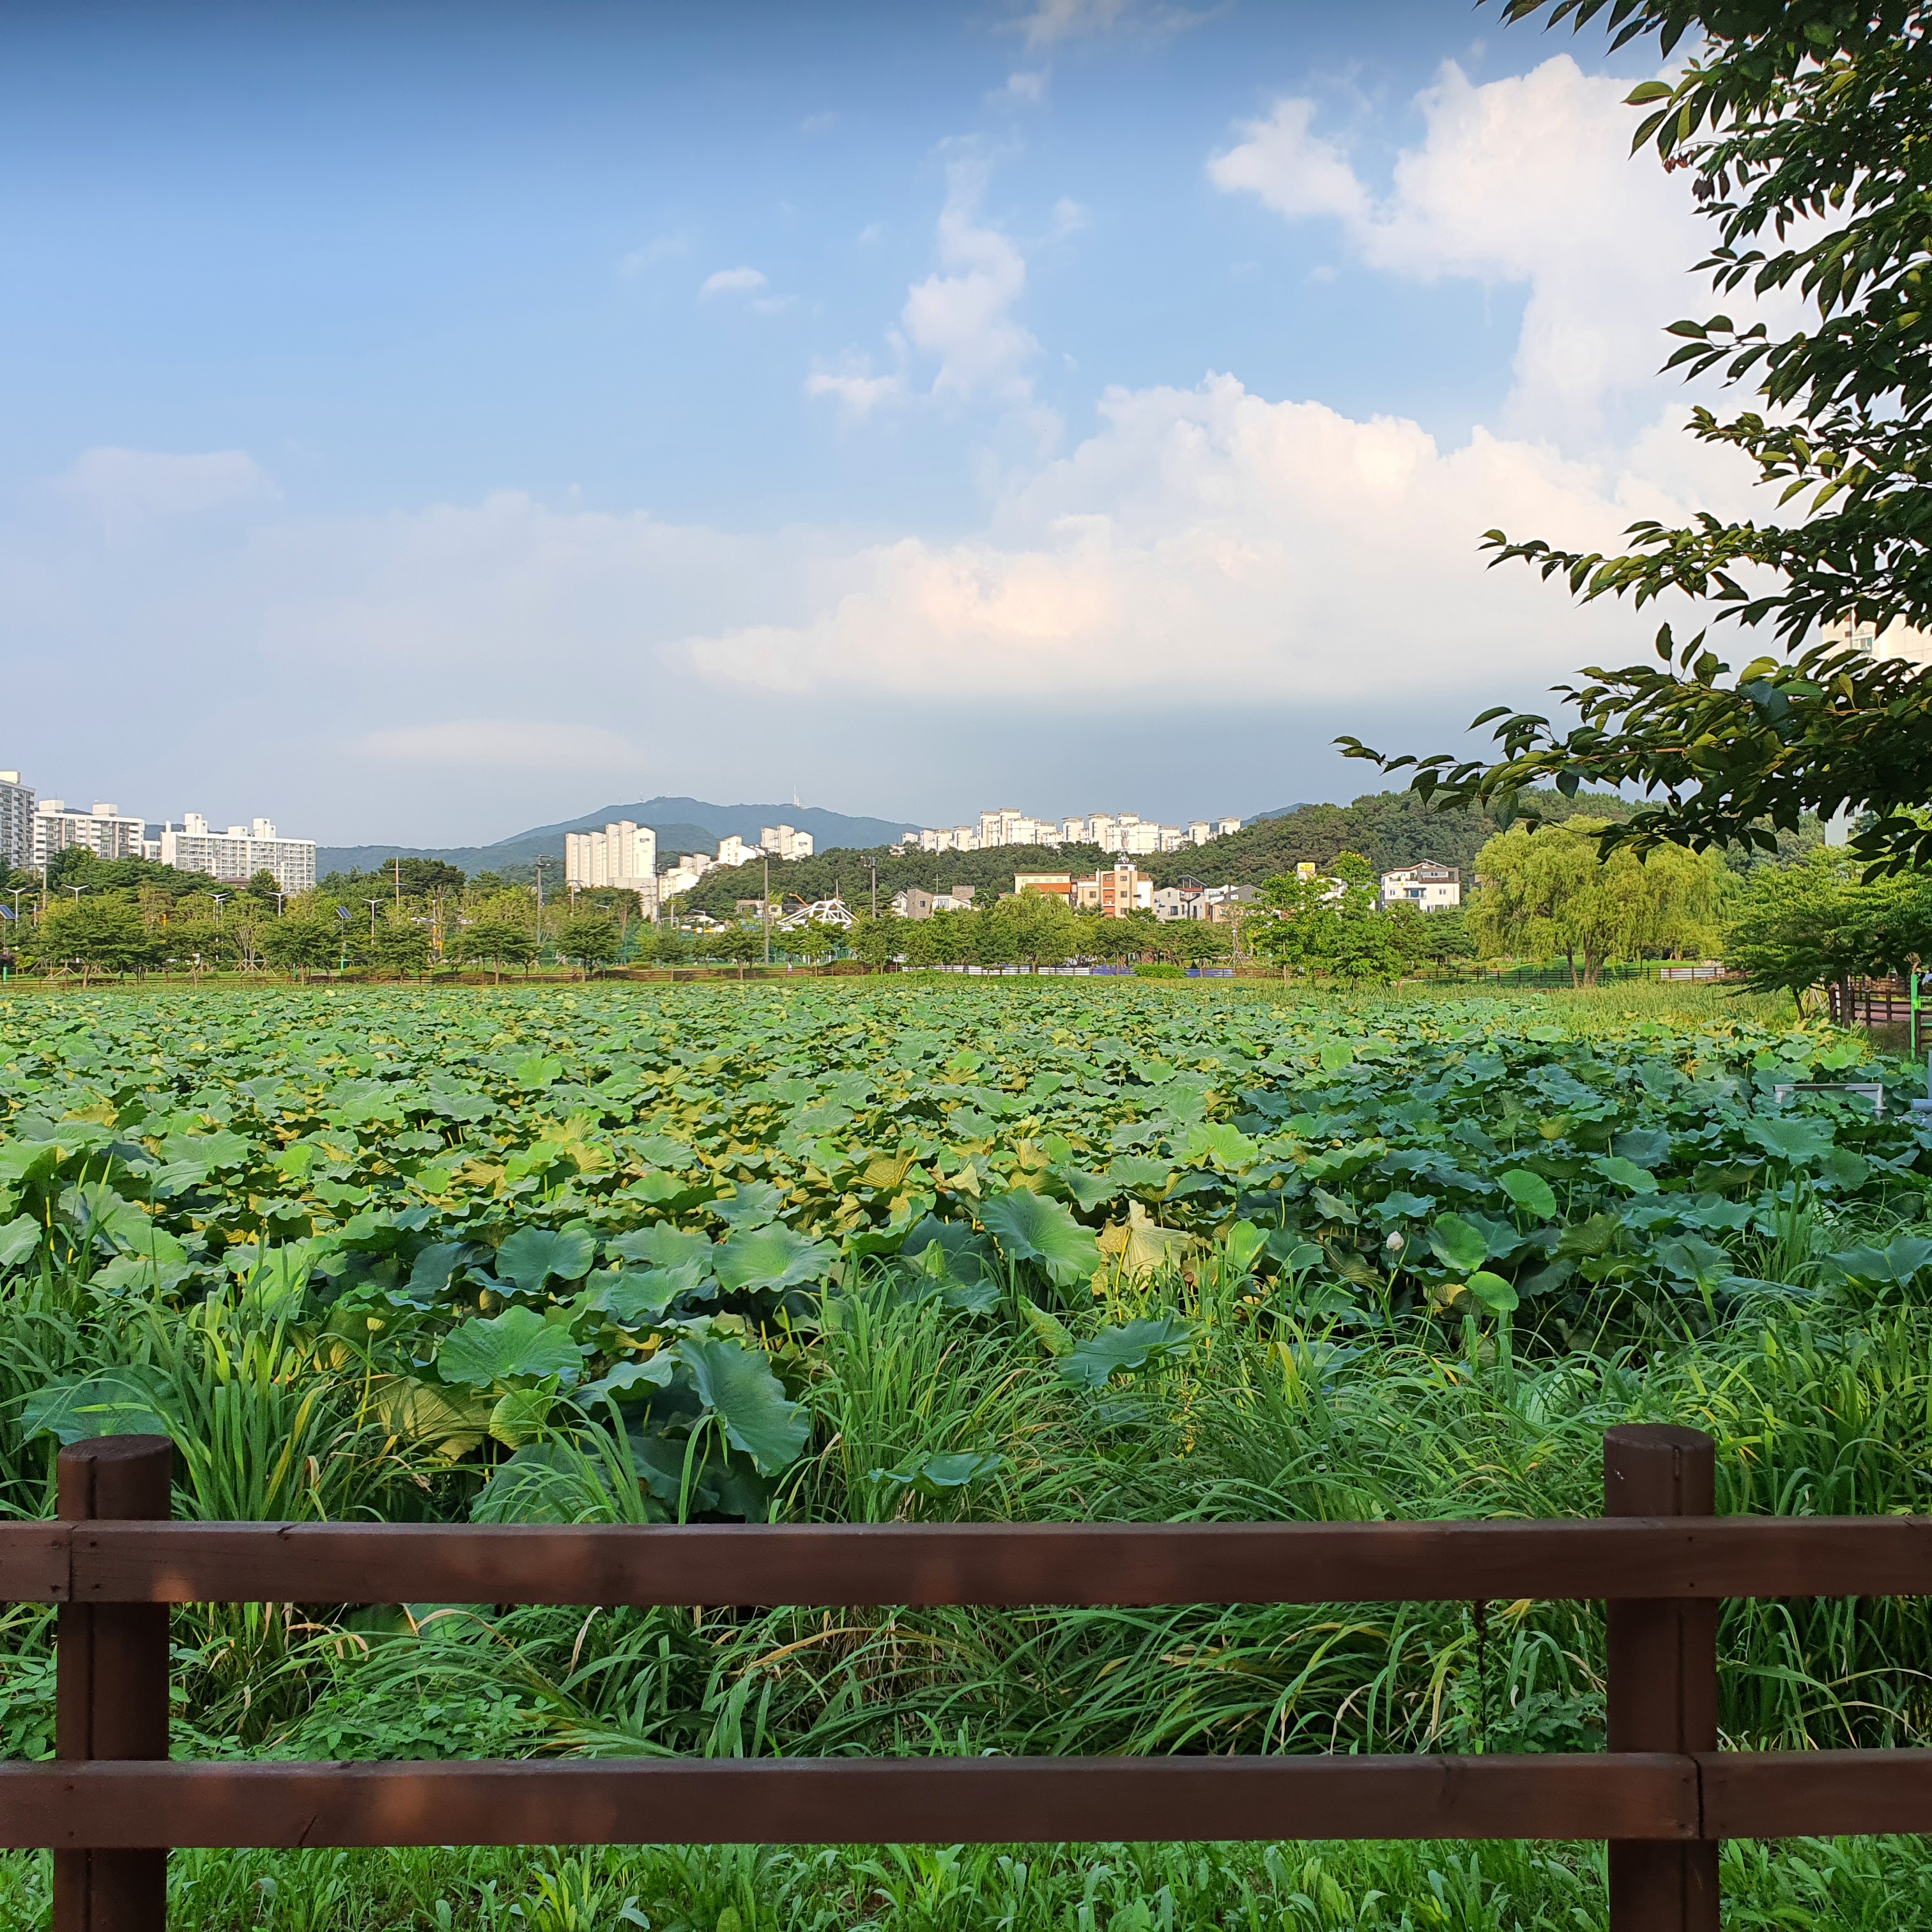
{"x": 111, "y": 1697}
{"x": 1662, "y": 1677}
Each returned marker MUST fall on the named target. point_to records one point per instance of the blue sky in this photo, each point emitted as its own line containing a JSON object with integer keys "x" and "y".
{"x": 425, "y": 421}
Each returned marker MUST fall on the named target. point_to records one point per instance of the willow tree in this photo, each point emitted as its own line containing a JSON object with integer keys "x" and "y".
{"x": 1560, "y": 892}
{"x": 1805, "y": 130}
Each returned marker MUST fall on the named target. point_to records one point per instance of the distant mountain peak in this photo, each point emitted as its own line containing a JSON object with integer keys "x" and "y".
{"x": 682, "y": 824}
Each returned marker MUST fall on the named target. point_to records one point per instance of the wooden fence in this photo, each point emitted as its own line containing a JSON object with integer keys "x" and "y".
{"x": 1663, "y": 1794}
{"x": 1871, "y": 1002}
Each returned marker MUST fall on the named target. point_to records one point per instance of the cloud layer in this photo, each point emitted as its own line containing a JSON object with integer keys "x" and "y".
{"x": 1526, "y": 181}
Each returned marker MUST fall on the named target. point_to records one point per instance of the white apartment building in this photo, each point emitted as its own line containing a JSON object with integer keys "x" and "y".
{"x": 948, "y": 838}
{"x": 17, "y": 821}
{"x": 685, "y": 874}
{"x": 1011, "y": 827}
{"x": 734, "y": 851}
{"x": 782, "y": 842}
{"x": 1433, "y": 888}
{"x": 1897, "y": 640}
{"x": 236, "y": 855}
{"x": 623, "y": 856}
{"x": 1125, "y": 833}
{"x": 102, "y": 831}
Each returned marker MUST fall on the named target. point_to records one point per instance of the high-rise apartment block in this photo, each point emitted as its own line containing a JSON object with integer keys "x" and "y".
{"x": 1126, "y": 832}
{"x": 102, "y": 831}
{"x": 17, "y": 821}
{"x": 623, "y": 856}
{"x": 734, "y": 851}
{"x": 235, "y": 855}
{"x": 782, "y": 842}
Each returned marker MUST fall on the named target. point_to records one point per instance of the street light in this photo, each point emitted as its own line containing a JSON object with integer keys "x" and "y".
{"x": 372, "y": 905}
{"x": 76, "y": 891}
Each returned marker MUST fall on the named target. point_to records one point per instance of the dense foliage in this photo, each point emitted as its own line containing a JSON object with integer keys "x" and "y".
{"x": 1558, "y": 892}
{"x": 638, "y": 1201}
{"x": 1799, "y": 927}
{"x": 1048, "y": 1250}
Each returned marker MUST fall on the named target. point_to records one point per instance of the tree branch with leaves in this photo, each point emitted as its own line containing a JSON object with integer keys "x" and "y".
{"x": 1807, "y": 129}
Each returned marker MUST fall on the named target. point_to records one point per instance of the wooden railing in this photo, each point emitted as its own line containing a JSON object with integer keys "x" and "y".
{"x": 1663, "y": 1794}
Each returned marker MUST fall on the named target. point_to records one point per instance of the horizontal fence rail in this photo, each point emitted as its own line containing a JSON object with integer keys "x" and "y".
{"x": 856, "y": 1566}
{"x": 1663, "y": 1796}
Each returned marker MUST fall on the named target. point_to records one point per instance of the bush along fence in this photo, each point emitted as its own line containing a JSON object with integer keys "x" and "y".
{"x": 1662, "y": 1795}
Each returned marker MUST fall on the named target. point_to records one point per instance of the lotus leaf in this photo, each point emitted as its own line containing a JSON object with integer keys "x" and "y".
{"x": 771, "y": 1258}
{"x": 665, "y": 1247}
{"x": 1457, "y": 1245}
{"x": 931, "y": 1474}
{"x": 516, "y": 1344}
{"x": 1029, "y": 1228}
{"x": 532, "y": 1257}
{"x": 20, "y": 1240}
{"x": 120, "y": 1402}
{"x": 737, "y": 1384}
{"x": 1530, "y": 1192}
{"x": 1091, "y": 1364}
{"x": 1496, "y": 1295}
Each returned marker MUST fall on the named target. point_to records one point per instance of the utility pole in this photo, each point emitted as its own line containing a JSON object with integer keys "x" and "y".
{"x": 766, "y": 904}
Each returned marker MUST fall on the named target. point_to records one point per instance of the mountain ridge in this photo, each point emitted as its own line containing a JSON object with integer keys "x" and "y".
{"x": 682, "y": 824}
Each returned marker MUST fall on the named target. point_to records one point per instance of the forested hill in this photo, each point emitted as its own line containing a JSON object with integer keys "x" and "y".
{"x": 1388, "y": 828}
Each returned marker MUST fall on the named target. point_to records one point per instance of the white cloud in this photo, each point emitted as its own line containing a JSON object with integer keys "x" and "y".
{"x": 1206, "y": 541}
{"x": 819, "y": 123}
{"x": 730, "y": 281}
{"x": 963, "y": 315}
{"x": 1051, "y": 21}
{"x": 1527, "y": 180}
{"x": 1068, "y": 218}
{"x": 126, "y": 486}
{"x": 1295, "y": 171}
{"x": 529, "y": 745}
{"x": 857, "y": 389}
{"x": 872, "y": 232}
{"x": 1023, "y": 89}
{"x": 773, "y": 305}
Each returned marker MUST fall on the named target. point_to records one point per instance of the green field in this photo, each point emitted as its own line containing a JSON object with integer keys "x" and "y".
{"x": 867, "y": 1249}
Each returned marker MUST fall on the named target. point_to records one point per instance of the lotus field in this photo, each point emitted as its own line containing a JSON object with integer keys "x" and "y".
{"x": 910, "y": 1248}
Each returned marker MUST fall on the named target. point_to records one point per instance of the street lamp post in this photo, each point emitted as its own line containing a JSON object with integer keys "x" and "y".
{"x": 372, "y": 905}
{"x": 765, "y": 904}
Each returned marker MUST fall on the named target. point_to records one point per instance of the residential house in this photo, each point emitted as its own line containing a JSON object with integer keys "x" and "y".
{"x": 1427, "y": 886}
